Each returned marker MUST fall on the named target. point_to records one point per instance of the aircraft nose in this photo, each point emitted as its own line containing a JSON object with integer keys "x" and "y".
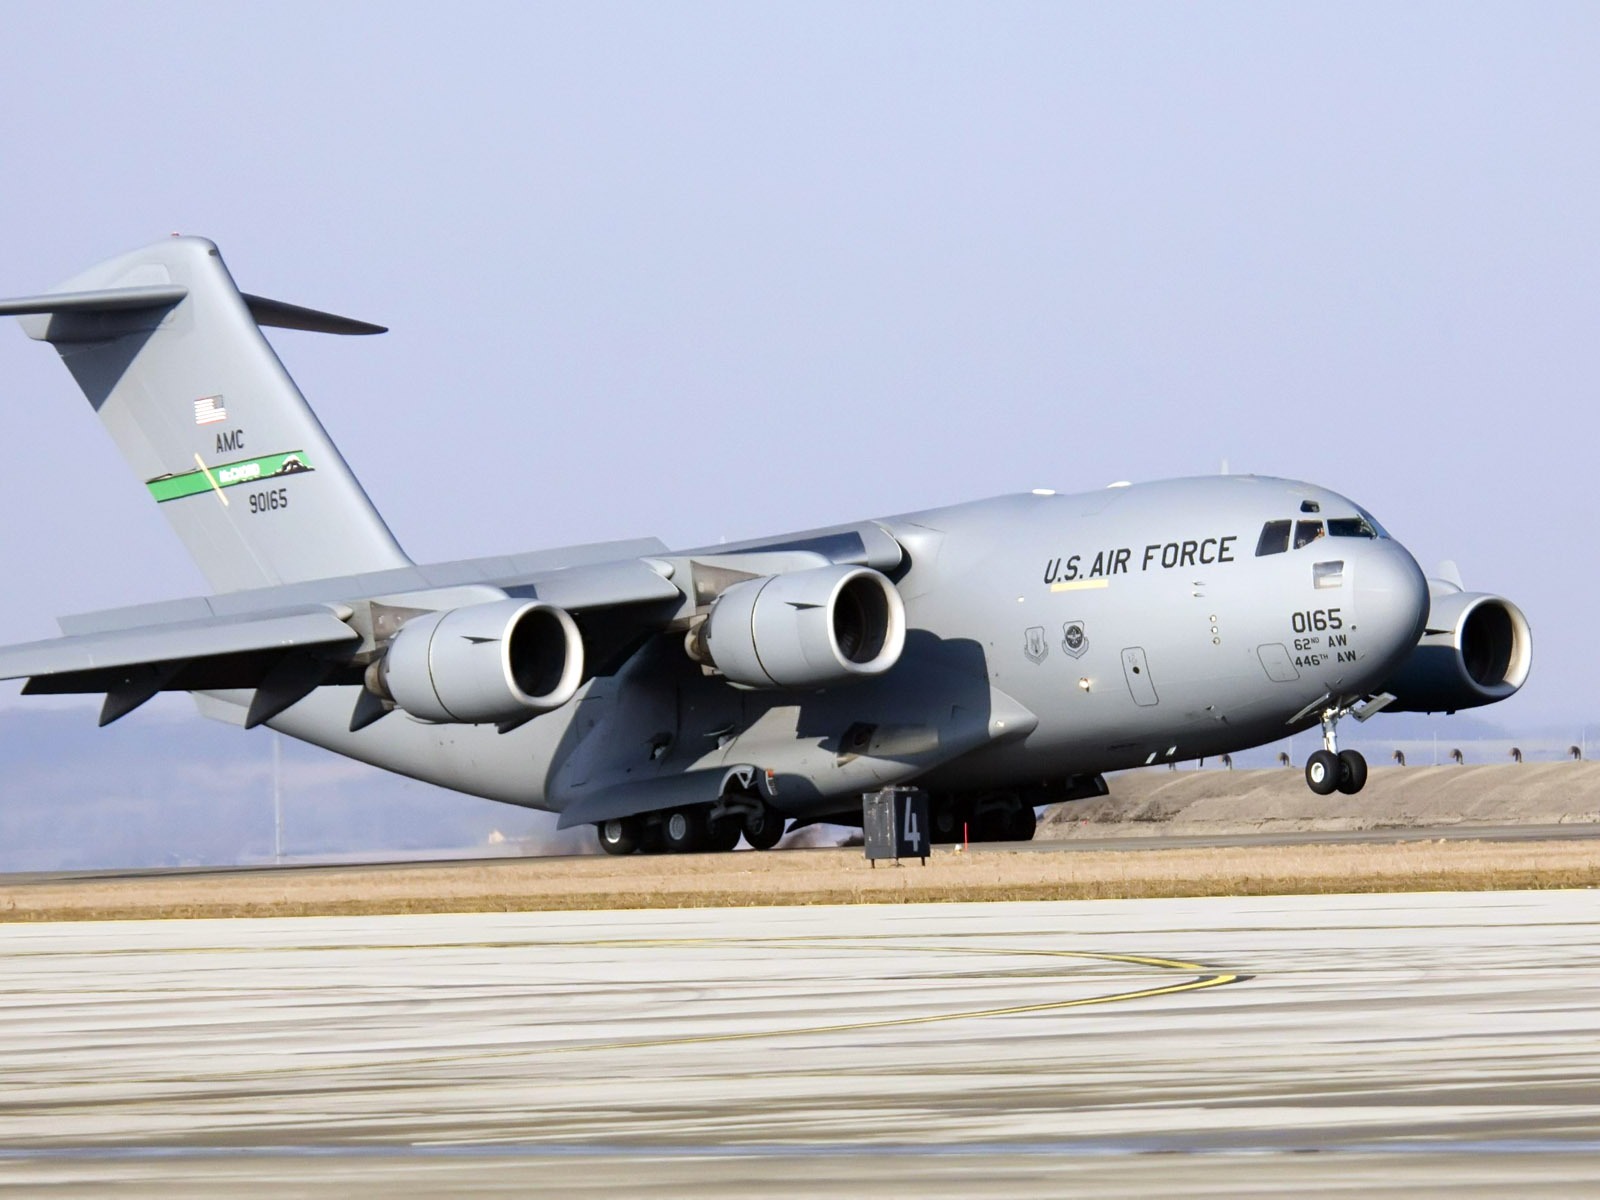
{"x": 1391, "y": 600}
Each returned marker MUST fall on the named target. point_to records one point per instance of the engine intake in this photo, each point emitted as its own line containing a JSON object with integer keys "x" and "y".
{"x": 1475, "y": 649}
{"x": 486, "y": 662}
{"x": 805, "y": 629}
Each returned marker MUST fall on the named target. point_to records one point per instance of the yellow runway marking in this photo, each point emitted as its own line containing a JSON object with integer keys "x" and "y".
{"x": 1221, "y": 979}
{"x": 1207, "y": 977}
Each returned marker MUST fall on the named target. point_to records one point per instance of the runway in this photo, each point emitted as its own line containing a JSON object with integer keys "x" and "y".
{"x": 1379, "y": 1044}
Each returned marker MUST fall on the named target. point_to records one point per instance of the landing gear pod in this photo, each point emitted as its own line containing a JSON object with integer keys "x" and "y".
{"x": 805, "y": 629}
{"x": 484, "y": 663}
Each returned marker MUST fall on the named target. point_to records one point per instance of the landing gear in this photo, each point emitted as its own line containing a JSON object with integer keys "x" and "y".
{"x": 1352, "y": 772}
{"x": 620, "y": 836}
{"x": 1331, "y": 769}
{"x": 949, "y": 817}
{"x": 763, "y": 827}
{"x": 1322, "y": 772}
{"x": 684, "y": 830}
{"x": 990, "y": 817}
{"x": 651, "y": 840}
{"x": 722, "y": 834}
{"x": 693, "y": 828}
{"x": 991, "y": 825}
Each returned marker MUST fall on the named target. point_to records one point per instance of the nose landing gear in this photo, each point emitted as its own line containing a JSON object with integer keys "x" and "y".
{"x": 1331, "y": 769}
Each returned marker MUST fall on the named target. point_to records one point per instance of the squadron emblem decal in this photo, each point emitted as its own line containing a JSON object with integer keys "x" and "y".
{"x": 1074, "y": 640}
{"x": 1034, "y": 645}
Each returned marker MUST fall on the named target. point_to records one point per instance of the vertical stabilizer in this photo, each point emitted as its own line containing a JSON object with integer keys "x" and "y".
{"x": 171, "y": 355}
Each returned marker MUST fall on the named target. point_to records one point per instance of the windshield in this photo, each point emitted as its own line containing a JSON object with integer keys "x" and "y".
{"x": 1278, "y": 537}
{"x": 1274, "y": 538}
{"x": 1350, "y": 527}
{"x": 1306, "y": 532}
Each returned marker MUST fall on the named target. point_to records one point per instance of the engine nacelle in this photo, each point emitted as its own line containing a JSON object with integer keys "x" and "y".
{"x": 1475, "y": 649}
{"x": 805, "y": 629}
{"x": 486, "y": 662}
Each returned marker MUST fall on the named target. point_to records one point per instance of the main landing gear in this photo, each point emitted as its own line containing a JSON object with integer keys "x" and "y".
{"x": 693, "y": 828}
{"x": 1330, "y": 769}
{"x": 1000, "y": 817}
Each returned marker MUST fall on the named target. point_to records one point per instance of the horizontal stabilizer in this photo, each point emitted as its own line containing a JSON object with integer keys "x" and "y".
{"x": 103, "y": 300}
{"x": 274, "y": 313}
{"x": 291, "y": 316}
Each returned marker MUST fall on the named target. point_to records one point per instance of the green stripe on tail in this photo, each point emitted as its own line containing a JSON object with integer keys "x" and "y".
{"x": 227, "y": 475}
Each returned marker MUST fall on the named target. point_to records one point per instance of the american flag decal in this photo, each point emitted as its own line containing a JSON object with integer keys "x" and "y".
{"x": 208, "y": 410}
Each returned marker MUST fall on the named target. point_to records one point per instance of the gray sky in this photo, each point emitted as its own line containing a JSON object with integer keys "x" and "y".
{"x": 702, "y": 271}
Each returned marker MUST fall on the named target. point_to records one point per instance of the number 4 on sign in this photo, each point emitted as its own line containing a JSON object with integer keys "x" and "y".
{"x": 913, "y": 834}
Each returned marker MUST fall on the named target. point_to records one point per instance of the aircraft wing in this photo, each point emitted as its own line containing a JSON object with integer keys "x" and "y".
{"x": 105, "y": 653}
{"x": 286, "y": 640}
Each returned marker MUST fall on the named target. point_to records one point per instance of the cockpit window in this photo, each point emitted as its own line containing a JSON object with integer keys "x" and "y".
{"x": 1274, "y": 538}
{"x": 1306, "y": 532}
{"x": 1372, "y": 523}
{"x": 1310, "y": 506}
{"x": 1350, "y": 527}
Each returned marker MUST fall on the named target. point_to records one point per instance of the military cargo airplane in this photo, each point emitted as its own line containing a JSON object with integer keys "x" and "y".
{"x": 1003, "y": 654}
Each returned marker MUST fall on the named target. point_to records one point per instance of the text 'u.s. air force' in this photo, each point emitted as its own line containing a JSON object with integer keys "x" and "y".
{"x": 1156, "y": 556}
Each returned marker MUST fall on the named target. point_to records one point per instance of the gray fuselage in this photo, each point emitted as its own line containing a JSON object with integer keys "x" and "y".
{"x": 1048, "y": 636}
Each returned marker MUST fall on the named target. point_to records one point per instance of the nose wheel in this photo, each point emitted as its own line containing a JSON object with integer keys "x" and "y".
{"x": 1330, "y": 769}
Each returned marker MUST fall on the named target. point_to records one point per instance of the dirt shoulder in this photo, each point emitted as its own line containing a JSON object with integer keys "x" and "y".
{"x": 1147, "y": 803}
{"x": 1212, "y": 801}
{"x": 812, "y": 877}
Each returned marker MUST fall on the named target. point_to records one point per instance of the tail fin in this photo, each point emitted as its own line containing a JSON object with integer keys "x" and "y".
{"x": 170, "y": 354}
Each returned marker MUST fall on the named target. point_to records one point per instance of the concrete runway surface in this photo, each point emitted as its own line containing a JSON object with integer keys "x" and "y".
{"x": 1323, "y": 1045}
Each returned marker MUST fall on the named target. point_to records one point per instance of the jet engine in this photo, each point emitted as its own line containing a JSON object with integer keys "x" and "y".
{"x": 487, "y": 662}
{"x": 804, "y": 629}
{"x": 1475, "y": 649}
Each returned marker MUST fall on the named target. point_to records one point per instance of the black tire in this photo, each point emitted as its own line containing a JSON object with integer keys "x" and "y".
{"x": 650, "y": 839}
{"x": 619, "y": 837}
{"x": 1023, "y": 824}
{"x": 763, "y": 828}
{"x": 683, "y": 830}
{"x": 723, "y": 835}
{"x": 1352, "y": 772}
{"x": 991, "y": 825}
{"x": 948, "y": 815}
{"x": 1323, "y": 772}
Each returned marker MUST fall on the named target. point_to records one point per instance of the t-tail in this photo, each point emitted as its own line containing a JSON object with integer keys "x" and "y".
{"x": 170, "y": 354}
